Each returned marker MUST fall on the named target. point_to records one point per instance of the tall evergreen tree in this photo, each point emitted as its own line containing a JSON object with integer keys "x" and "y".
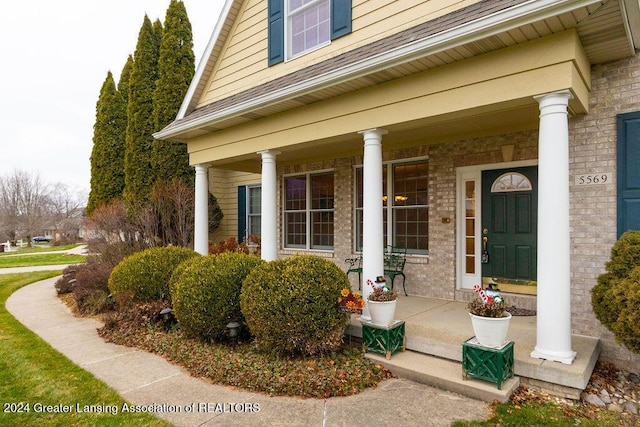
{"x": 123, "y": 83}
{"x": 176, "y": 68}
{"x": 139, "y": 174}
{"x": 107, "y": 155}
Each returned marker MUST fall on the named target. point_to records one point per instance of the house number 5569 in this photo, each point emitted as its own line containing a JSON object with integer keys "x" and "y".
{"x": 593, "y": 179}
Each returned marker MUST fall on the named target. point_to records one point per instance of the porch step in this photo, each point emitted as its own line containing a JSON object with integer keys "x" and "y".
{"x": 444, "y": 374}
{"x": 437, "y": 328}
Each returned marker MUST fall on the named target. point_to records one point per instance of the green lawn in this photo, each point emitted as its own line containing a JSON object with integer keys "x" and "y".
{"x": 36, "y": 380}
{"x": 44, "y": 259}
{"x": 39, "y": 248}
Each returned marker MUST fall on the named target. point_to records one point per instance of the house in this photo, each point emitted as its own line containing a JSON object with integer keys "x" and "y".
{"x": 494, "y": 139}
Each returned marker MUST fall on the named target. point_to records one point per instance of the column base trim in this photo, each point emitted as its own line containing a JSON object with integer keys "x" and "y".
{"x": 566, "y": 357}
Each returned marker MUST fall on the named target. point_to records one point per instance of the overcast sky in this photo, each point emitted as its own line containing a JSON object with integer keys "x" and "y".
{"x": 54, "y": 57}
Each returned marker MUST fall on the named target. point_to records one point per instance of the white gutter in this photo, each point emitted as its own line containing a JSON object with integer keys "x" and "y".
{"x": 481, "y": 28}
{"x": 631, "y": 16}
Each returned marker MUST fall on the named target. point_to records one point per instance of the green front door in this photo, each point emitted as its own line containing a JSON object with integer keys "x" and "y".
{"x": 509, "y": 226}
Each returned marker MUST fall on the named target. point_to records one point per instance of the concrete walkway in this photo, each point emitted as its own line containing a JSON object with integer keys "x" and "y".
{"x": 145, "y": 379}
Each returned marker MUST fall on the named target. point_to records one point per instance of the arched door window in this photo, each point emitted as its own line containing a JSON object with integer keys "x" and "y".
{"x": 511, "y": 181}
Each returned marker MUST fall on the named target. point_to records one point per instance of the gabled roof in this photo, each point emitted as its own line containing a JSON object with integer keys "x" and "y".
{"x": 476, "y": 29}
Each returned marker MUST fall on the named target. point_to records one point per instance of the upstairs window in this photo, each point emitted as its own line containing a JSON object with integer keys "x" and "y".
{"x": 299, "y": 26}
{"x": 308, "y": 25}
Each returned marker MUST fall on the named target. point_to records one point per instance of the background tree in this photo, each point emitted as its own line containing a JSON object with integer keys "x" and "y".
{"x": 107, "y": 155}
{"x": 139, "y": 174}
{"x": 9, "y": 209}
{"x": 66, "y": 210}
{"x": 28, "y": 210}
{"x": 176, "y": 67}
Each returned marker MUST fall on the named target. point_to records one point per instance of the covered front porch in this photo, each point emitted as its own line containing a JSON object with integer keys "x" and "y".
{"x": 436, "y": 329}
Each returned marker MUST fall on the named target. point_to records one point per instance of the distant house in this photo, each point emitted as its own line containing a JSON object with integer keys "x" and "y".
{"x": 495, "y": 140}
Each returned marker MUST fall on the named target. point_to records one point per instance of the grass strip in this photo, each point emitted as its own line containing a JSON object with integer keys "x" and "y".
{"x": 535, "y": 408}
{"x": 44, "y": 259}
{"x": 36, "y": 249}
{"x": 34, "y": 376}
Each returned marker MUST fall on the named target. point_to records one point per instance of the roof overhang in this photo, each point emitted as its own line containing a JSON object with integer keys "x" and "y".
{"x": 203, "y": 120}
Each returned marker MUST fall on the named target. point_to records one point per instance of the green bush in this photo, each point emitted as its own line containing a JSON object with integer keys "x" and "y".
{"x": 626, "y": 296}
{"x": 616, "y": 297}
{"x": 144, "y": 276}
{"x": 290, "y": 305}
{"x": 206, "y": 293}
{"x": 625, "y": 255}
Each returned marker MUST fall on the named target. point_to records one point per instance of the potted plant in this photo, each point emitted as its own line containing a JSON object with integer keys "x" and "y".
{"x": 489, "y": 317}
{"x": 350, "y": 302}
{"x": 382, "y": 302}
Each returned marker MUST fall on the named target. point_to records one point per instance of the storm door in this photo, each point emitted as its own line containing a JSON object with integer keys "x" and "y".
{"x": 509, "y": 228}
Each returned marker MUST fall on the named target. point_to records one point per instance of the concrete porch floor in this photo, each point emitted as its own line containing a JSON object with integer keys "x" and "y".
{"x": 438, "y": 328}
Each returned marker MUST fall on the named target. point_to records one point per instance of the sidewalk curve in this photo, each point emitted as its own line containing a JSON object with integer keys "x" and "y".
{"x": 146, "y": 379}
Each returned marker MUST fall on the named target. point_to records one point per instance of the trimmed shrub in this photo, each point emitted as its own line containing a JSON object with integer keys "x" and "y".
{"x": 206, "y": 293}
{"x": 144, "y": 276}
{"x": 625, "y": 255}
{"x": 626, "y": 297}
{"x": 616, "y": 297}
{"x": 291, "y": 305}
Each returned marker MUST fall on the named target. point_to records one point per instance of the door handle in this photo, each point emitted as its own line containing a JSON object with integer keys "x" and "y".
{"x": 484, "y": 258}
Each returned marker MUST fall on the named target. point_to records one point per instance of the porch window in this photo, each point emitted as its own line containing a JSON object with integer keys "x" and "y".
{"x": 308, "y": 211}
{"x": 254, "y": 209}
{"x": 249, "y": 212}
{"x": 406, "y": 212}
{"x": 299, "y": 26}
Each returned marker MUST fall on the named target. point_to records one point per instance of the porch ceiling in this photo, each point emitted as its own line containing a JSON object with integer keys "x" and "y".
{"x": 604, "y": 29}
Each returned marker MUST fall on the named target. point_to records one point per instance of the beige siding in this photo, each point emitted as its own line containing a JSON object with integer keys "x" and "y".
{"x": 224, "y": 185}
{"x": 502, "y": 79}
{"x": 243, "y": 59}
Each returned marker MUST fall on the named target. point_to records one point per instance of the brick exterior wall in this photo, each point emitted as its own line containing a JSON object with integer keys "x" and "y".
{"x": 592, "y": 141}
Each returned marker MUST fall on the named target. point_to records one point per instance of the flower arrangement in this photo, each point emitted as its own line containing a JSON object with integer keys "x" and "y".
{"x": 490, "y": 303}
{"x": 350, "y": 302}
{"x": 381, "y": 292}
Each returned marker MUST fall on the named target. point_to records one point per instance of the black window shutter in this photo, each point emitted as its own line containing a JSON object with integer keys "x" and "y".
{"x": 276, "y": 31}
{"x": 242, "y": 212}
{"x": 340, "y": 18}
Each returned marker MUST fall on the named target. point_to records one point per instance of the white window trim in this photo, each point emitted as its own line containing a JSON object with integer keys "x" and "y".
{"x": 288, "y": 37}
{"x": 307, "y": 211}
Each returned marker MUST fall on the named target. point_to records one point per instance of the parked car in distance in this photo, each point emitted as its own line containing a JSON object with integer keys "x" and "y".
{"x": 40, "y": 239}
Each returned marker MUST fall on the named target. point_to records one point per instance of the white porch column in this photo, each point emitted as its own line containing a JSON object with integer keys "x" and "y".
{"x": 372, "y": 235}
{"x": 554, "y": 282}
{"x": 201, "y": 228}
{"x": 269, "y": 213}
